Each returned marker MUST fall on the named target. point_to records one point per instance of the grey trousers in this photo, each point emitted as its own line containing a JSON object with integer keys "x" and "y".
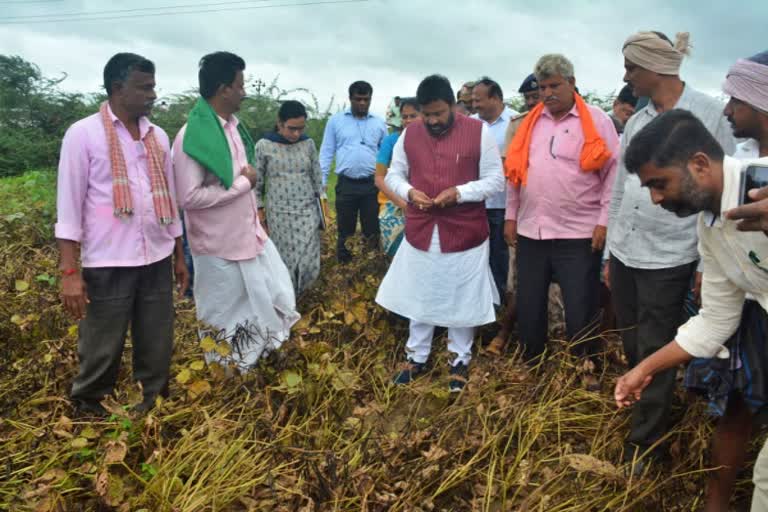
{"x": 141, "y": 297}
{"x": 649, "y": 309}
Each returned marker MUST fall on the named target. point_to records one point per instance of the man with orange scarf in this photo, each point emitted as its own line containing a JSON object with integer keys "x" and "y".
{"x": 560, "y": 166}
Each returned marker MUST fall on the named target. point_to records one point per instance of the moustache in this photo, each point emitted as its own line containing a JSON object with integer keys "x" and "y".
{"x": 550, "y": 98}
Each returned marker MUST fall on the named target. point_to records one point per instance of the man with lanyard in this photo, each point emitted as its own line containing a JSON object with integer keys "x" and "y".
{"x": 243, "y": 289}
{"x": 653, "y": 253}
{"x": 488, "y": 102}
{"x": 445, "y": 167}
{"x": 353, "y": 137}
{"x": 115, "y": 206}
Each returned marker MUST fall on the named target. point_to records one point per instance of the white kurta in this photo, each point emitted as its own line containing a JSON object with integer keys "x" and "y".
{"x": 251, "y": 301}
{"x": 447, "y": 289}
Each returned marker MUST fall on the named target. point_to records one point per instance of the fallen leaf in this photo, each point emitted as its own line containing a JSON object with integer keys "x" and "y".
{"x": 291, "y": 379}
{"x": 79, "y": 443}
{"x": 183, "y": 376}
{"x": 89, "y": 433}
{"x": 52, "y": 476}
{"x": 197, "y": 365}
{"x": 584, "y": 463}
{"x": 116, "y": 452}
{"x": 223, "y": 349}
{"x": 21, "y": 285}
{"x": 208, "y": 344}
{"x": 198, "y": 388}
{"x": 434, "y": 453}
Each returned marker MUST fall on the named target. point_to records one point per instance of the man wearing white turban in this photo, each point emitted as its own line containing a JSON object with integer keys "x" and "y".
{"x": 653, "y": 254}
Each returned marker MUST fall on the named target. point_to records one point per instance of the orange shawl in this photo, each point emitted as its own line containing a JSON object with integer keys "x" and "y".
{"x": 594, "y": 152}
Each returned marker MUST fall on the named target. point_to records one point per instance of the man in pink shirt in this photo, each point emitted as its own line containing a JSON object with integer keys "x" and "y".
{"x": 558, "y": 216}
{"x": 114, "y": 206}
{"x": 242, "y": 288}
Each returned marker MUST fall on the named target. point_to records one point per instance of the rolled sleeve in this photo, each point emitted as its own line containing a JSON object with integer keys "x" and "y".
{"x": 397, "y": 176}
{"x": 513, "y": 202}
{"x": 72, "y": 184}
{"x": 705, "y": 335}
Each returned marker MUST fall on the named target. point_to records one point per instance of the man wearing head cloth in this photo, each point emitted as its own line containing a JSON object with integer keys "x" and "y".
{"x": 747, "y": 111}
{"x": 653, "y": 253}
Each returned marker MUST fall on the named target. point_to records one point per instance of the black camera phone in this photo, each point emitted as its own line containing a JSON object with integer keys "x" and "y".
{"x": 754, "y": 176}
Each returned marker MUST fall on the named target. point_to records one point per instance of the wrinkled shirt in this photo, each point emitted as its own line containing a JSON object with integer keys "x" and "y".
{"x": 84, "y": 201}
{"x": 640, "y": 233}
{"x": 561, "y": 201}
{"x": 220, "y": 222}
{"x": 735, "y": 266}
{"x": 354, "y": 142}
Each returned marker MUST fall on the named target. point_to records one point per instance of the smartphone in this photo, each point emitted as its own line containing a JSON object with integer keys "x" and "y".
{"x": 754, "y": 176}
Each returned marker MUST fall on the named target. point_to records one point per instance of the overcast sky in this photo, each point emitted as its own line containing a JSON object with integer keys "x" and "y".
{"x": 390, "y": 43}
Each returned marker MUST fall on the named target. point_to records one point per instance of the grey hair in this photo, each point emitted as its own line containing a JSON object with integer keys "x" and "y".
{"x": 553, "y": 64}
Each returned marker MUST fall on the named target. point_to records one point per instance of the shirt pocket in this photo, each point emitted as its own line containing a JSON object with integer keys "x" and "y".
{"x": 566, "y": 145}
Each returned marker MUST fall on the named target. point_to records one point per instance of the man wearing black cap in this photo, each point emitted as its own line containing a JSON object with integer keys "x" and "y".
{"x": 623, "y": 108}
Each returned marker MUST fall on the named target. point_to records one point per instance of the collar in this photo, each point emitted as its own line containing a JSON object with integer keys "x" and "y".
{"x": 730, "y": 199}
{"x": 145, "y": 126}
{"x": 749, "y": 149}
{"x": 348, "y": 112}
{"x": 506, "y": 115}
{"x": 233, "y": 121}
{"x": 683, "y": 101}
{"x": 573, "y": 112}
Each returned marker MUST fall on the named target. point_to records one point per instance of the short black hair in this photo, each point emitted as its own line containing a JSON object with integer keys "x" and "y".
{"x": 760, "y": 58}
{"x": 671, "y": 139}
{"x": 120, "y": 66}
{"x": 291, "y": 109}
{"x": 410, "y": 101}
{"x": 217, "y": 69}
{"x": 435, "y": 88}
{"x": 494, "y": 89}
{"x": 627, "y": 96}
{"x": 360, "y": 87}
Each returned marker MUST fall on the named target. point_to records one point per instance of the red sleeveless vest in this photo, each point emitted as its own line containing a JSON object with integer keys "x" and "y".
{"x": 439, "y": 163}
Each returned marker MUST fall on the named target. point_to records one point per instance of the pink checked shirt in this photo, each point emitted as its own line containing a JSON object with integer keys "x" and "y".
{"x": 220, "y": 222}
{"x": 560, "y": 200}
{"x": 84, "y": 205}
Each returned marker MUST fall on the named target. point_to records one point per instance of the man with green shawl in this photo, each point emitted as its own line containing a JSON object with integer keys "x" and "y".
{"x": 242, "y": 288}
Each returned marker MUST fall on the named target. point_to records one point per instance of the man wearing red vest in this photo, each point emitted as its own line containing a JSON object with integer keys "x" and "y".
{"x": 445, "y": 167}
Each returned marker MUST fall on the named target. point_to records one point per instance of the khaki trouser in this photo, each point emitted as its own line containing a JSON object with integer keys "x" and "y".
{"x": 760, "y": 478}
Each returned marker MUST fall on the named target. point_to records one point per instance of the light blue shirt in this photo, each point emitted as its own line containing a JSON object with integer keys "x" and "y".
{"x": 354, "y": 142}
{"x": 498, "y": 129}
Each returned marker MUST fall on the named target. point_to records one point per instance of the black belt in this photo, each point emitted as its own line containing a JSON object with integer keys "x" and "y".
{"x": 366, "y": 179}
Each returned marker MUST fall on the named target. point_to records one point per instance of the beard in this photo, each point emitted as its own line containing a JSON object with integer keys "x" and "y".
{"x": 438, "y": 129}
{"x": 692, "y": 199}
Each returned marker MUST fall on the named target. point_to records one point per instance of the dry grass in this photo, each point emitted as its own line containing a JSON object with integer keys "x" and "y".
{"x": 317, "y": 427}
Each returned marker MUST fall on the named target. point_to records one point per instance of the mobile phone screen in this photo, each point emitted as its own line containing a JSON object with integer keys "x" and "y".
{"x": 755, "y": 176}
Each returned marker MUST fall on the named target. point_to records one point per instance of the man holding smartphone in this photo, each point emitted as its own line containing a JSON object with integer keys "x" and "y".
{"x": 687, "y": 173}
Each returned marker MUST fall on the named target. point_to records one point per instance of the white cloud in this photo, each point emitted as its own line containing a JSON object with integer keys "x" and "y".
{"x": 390, "y": 43}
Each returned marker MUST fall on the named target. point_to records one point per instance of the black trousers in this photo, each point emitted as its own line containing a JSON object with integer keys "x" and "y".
{"x": 141, "y": 297}
{"x": 499, "y": 256}
{"x": 356, "y": 198}
{"x": 576, "y": 268}
{"x": 649, "y": 309}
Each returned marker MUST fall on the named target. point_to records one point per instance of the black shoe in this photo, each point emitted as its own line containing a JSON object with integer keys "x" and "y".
{"x": 459, "y": 377}
{"x": 89, "y": 409}
{"x": 410, "y": 372}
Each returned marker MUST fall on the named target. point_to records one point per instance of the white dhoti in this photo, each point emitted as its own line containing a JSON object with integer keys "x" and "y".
{"x": 251, "y": 303}
{"x": 432, "y": 288}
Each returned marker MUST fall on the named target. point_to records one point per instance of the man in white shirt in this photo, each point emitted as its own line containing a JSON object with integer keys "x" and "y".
{"x": 686, "y": 171}
{"x": 488, "y": 101}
